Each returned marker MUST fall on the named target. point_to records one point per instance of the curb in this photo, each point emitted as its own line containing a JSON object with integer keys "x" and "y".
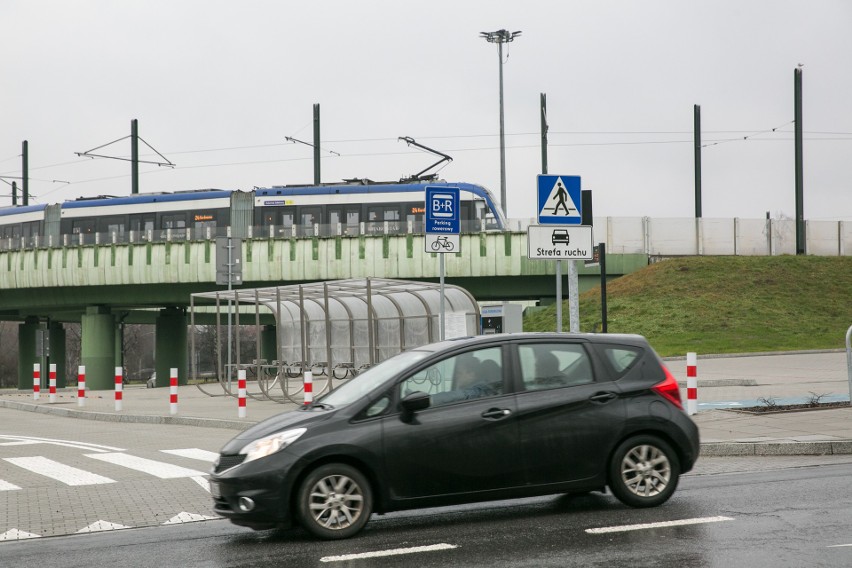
{"x": 128, "y": 418}
{"x": 743, "y": 449}
{"x": 708, "y": 449}
{"x": 755, "y": 354}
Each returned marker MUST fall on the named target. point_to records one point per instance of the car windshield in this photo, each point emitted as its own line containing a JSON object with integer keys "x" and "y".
{"x": 373, "y": 377}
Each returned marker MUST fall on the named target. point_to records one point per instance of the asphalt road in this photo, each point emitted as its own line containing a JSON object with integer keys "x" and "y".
{"x": 789, "y": 517}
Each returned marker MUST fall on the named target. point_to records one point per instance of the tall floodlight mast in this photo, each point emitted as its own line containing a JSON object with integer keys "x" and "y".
{"x": 500, "y": 37}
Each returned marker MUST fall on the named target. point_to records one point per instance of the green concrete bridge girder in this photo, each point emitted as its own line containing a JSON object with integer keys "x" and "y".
{"x": 62, "y": 282}
{"x": 97, "y": 284}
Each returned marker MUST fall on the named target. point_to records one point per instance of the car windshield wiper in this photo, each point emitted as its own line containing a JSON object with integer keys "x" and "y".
{"x": 321, "y": 405}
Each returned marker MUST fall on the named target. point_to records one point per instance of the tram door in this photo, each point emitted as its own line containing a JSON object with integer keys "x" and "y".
{"x": 308, "y": 217}
{"x": 347, "y": 217}
{"x": 142, "y": 225}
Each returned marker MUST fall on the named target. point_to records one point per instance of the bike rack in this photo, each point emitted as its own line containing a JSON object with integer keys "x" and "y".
{"x": 334, "y": 329}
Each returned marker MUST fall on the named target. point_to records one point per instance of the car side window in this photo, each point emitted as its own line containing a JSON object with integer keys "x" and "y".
{"x": 554, "y": 365}
{"x": 471, "y": 375}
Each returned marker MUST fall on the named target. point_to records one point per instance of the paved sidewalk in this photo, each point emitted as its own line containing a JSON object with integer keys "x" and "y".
{"x": 723, "y": 382}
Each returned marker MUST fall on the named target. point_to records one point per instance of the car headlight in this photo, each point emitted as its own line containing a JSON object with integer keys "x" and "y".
{"x": 267, "y": 445}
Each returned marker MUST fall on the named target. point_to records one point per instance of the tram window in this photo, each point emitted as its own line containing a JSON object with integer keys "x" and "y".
{"x": 84, "y": 226}
{"x": 391, "y": 214}
{"x": 111, "y": 225}
{"x": 174, "y": 221}
{"x": 141, "y": 223}
{"x": 310, "y": 216}
{"x": 287, "y": 219}
{"x": 348, "y": 218}
{"x": 30, "y": 229}
{"x": 383, "y": 214}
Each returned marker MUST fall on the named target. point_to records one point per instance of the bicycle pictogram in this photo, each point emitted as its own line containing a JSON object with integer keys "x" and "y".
{"x": 442, "y": 242}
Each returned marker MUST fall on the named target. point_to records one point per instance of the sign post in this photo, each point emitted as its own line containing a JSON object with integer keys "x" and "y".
{"x": 442, "y": 230}
{"x": 560, "y": 204}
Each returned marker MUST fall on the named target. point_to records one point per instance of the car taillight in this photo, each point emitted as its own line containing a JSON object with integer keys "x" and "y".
{"x": 668, "y": 389}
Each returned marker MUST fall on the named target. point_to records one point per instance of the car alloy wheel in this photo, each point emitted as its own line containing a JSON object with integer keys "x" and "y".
{"x": 335, "y": 501}
{"x": 644, "y": 472}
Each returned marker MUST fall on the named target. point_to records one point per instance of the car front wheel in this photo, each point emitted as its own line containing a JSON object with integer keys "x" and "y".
{"x": 644, "y": 472}
{"x": 335, "y": 501}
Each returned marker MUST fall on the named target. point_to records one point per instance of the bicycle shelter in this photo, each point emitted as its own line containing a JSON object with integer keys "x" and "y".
{"x": 333, "y": 329}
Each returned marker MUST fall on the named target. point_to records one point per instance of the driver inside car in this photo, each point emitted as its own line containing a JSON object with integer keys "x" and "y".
{"x": 473, "y": 379}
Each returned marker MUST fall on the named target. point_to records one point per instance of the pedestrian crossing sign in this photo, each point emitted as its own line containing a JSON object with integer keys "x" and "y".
{"x": 559, "y": 200}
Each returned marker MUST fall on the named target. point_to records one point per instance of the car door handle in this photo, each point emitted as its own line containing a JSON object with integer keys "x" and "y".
{"x": 603, "y": 397}
{"x": 496, "y": 413}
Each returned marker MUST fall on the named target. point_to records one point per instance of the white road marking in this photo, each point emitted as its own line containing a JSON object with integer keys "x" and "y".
{"x": 392, "y": 552}
{"x": 101, "y": 526}
{"x": 158, "y": 469}
{"x": 194, "y": 453}
{"x": 838, "y": 545}
{"x": 6, "y": 486}
{"x": 60, "y": 472}
{"x": 202, "y": 481}
{"x": 625, "y": 528}
{"x": 66, "y": 443}
{"x": 15, "y": 534}
{"x": 185, "y": 517}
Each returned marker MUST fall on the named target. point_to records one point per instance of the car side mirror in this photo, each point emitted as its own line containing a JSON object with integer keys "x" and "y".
{"x": 418, "y": 400}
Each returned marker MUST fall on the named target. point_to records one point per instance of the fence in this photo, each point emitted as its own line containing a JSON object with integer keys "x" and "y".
{"x": 622, "y": 235}
{"x": 706, "y": 236}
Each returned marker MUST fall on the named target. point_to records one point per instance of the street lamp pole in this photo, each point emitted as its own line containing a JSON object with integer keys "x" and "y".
{"x": 500, "y": 37}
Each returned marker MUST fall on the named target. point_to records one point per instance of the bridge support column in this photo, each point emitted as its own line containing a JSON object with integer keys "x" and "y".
{"x": 57, "y": 352}
{"x": 170, "y": 346}
{"x": 98, "y": 347}
{"x": 27, "y": 353}
{"x": 269, "y": 343}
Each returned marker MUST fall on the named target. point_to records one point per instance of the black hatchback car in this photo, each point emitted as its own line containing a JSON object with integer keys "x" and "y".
{"x": 473, "y": 419}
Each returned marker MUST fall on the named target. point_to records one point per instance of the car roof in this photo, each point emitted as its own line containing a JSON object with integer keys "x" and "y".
{"x": 470, "y": 341}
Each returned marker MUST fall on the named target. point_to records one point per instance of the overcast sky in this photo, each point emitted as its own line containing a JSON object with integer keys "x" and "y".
{"x": 217, "y": 86}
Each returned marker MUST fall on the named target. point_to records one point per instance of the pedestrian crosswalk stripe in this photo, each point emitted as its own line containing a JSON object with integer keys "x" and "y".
{"x": 60, "y": 472}
{"x": 26, "y": 440}
{"x": 156, "y": 468}
{"x": 6, "y": 486}
{"x": 194, "y": 453}
{"x": 202, "y": 481}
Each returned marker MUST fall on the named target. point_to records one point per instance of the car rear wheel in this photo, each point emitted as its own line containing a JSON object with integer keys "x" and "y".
{"x": 335, "y": 501}
{"x": 644, "y": 472}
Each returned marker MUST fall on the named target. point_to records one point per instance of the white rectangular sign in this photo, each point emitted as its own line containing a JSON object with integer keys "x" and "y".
{"x": 560, "y": 243}
{"x": 442, "y": 243}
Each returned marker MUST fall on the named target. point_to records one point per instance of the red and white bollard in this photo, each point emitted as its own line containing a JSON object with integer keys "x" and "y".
{"x": 691, "y": 383}
{"x": 81, "y": 385}
{"x": 36, "y": 381}
{"x": 119, "y": 388}
{"x": 241, "y": 393}
{"x": 308, "y": 382}
{"x": 173, "y": 385}
{"x": 51, "y": 375}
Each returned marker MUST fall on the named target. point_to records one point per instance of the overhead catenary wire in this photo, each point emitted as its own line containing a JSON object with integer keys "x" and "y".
{"x": 732, "y": 136}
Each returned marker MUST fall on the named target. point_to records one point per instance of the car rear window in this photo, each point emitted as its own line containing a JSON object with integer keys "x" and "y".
{"x": 620, "y": 358}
